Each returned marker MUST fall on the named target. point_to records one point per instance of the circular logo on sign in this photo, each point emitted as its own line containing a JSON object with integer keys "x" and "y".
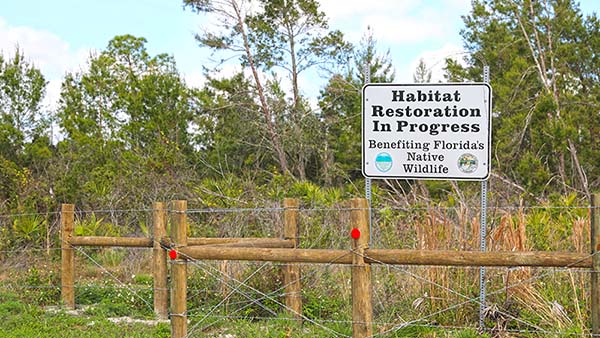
{"x": 467, "y": 163}
{"x": 383, "y": 162}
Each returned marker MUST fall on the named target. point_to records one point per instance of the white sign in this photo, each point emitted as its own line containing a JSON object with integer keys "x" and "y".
{"x": 426, "y": 131}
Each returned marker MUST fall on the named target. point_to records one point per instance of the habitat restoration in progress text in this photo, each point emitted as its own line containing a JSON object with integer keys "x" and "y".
{"x": 428, "y": 131}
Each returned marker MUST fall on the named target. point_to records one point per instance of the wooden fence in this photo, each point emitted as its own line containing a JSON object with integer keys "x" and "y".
{"x": 182, "y": 248}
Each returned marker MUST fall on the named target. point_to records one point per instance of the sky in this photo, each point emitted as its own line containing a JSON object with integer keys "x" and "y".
{"x": 59, "y": 36}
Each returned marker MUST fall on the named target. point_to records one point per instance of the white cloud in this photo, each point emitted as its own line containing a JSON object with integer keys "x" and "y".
{"x": 50, "y": 53}
{"x": 407, "y": 30}
{"x": 462, "y": 4}
{"x": 341, "y": 10}
{"x": 411, "y": 30}
{"x": 46, "y": 51}
{"x": 396, "y": 21}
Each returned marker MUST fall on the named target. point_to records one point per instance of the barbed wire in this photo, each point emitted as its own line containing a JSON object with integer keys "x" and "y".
{"x": 48, "y": 213}
{"x": 232, "y": 210}
{"x": 102, "y": 211}
{"x": 304, "y": 209}
{"x": 21, "y": 250}
{"x": 77, "y": 286}
{"x": 452, "y": 267}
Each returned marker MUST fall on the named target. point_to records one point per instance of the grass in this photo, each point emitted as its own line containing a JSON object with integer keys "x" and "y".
{"x": 18, "y": 319}
{"x": 25, "y": 320}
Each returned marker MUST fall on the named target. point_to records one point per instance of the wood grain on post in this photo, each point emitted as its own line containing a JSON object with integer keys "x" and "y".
{"x": 226, "y": 289}
{"x": 144, "y": 242}
{"x": 179, "y": 272}
{"x": 161, "y": 296}
{"x": 67, "y": 277}
{"x": 595, "y": 275}
{"x": 479, "y": 258}
{"x": 242, "y": 242}
{"x": 291, "y": 272}
{"x": 139, "y": 242}
{"x": 362, "y": 309}
{"x": 323, "y": 256}
{"x": 395, "y": 256}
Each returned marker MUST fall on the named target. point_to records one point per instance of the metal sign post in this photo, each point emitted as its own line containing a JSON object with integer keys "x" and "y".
{"x": 483, "y": 229}
{"x": 368, "y": 179}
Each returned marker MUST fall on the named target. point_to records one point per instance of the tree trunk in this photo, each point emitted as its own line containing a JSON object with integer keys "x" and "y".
{"x": 296, "y": 113}
{"x": 279, "y": 150}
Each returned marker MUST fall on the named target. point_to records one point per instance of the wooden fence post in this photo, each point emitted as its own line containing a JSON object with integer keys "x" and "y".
{"x": 67, "y": 271}
{"x": 595, "y": 275}
{"x": 291, "y": 272}
{"x": 362, "y": 308}
{"x": 179, "y": 272}
{"x": 159, "y": 270}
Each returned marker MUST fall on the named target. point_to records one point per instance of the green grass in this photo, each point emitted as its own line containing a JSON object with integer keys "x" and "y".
{"x": 19, "y": 319}
{"x": 23, "y": 320}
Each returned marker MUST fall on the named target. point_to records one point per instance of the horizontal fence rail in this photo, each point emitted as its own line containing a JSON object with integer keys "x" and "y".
{"x": 139, "y": 242}
{"x": 395, "y": 257}
{"x": 144, "y": 242}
